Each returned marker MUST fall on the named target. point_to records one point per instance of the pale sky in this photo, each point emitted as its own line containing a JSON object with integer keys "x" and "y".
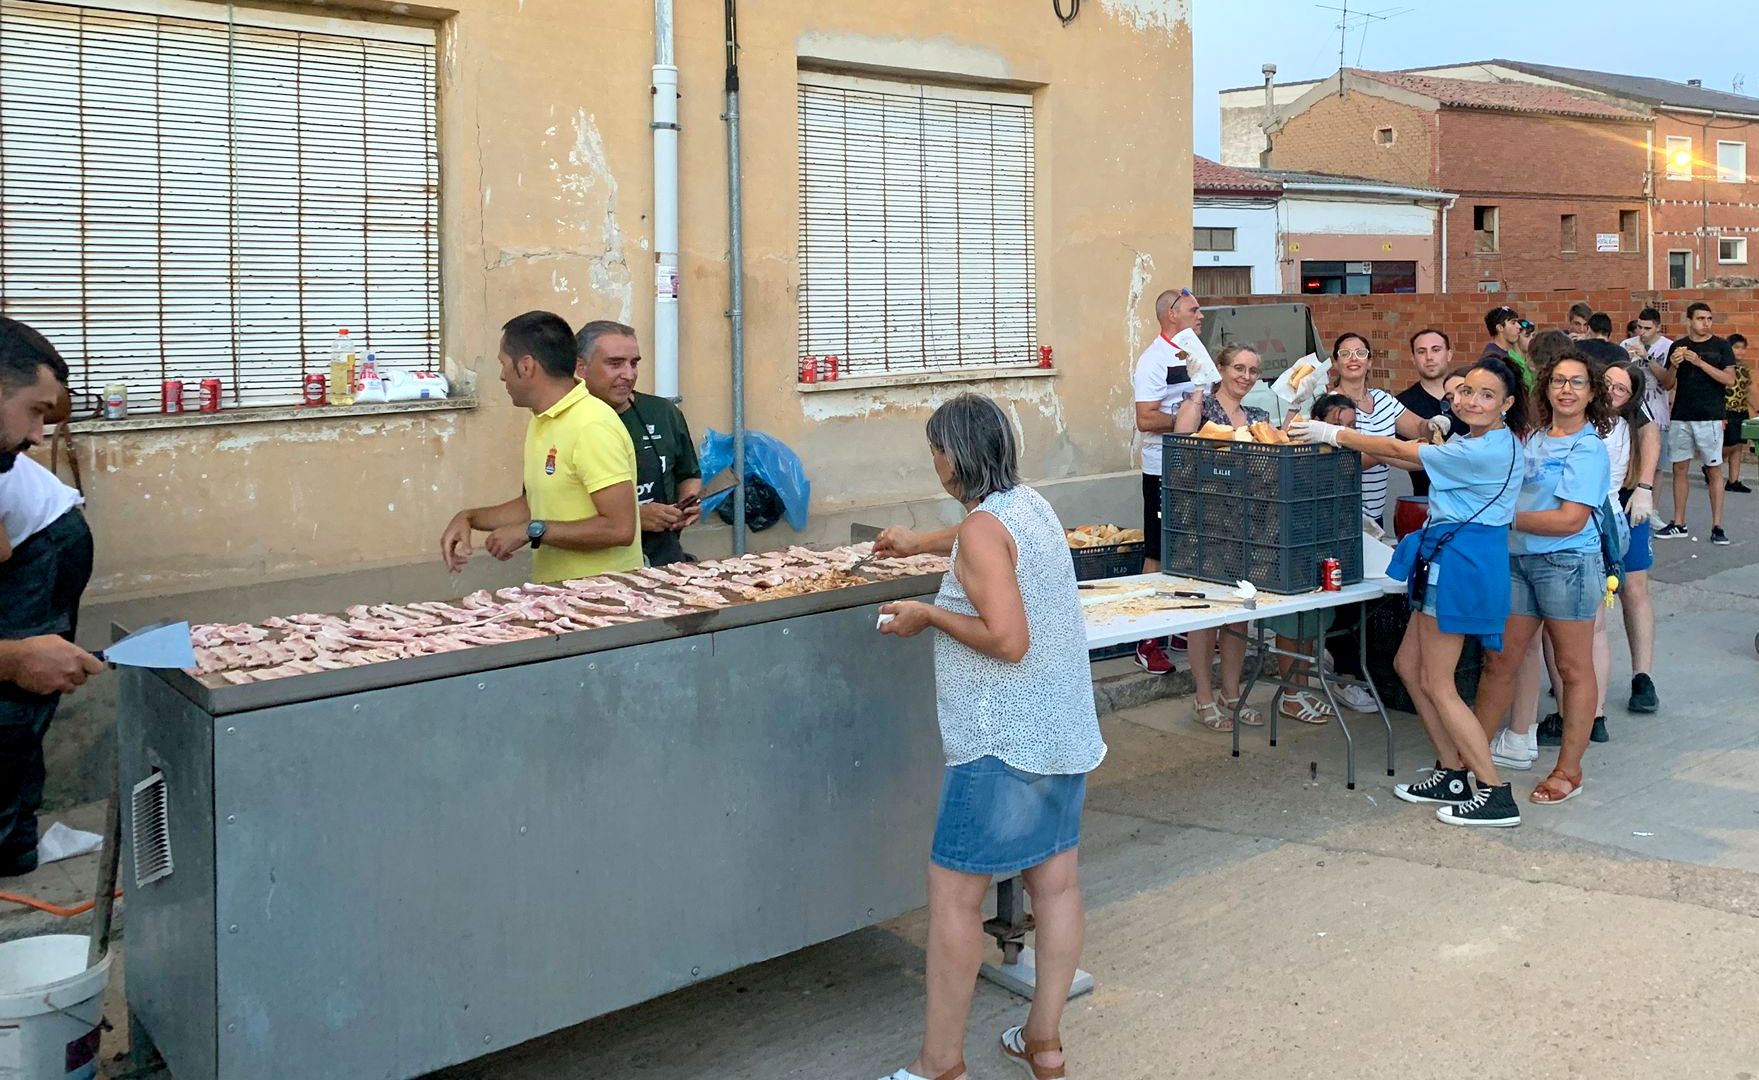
{"x": 1680, "y": 40}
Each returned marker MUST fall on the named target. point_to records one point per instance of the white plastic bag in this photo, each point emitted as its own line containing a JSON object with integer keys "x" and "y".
{"x": 414, "y": 385}
{"x": 1312, "y": 385}
{"x": 369, "y": 387}
{"x": 1199, "y": 367}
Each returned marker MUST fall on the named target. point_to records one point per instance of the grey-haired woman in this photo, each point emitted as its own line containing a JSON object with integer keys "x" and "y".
{"x": 1015, "y": 702}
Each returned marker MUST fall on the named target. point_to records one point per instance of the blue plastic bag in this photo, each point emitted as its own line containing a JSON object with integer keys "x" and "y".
{"x": 767, "y": 458}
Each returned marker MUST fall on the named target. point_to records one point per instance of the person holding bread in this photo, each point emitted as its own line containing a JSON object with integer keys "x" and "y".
{"x": 1223, "y": 406}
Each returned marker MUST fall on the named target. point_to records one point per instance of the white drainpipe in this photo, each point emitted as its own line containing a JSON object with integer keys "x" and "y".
{"x": 665, "y": 128}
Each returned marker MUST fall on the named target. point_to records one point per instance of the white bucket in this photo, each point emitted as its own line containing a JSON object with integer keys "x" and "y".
{"x": 51, "y": 1008}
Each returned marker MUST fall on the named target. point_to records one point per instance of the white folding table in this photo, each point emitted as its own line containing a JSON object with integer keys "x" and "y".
{"x": 1182, "y": 615}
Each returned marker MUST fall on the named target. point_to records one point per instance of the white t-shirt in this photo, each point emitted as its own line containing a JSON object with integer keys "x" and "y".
{"x": 1161, "y": 376}
{"x": 31, "y": 499}
{"x": 1618, "y": 451}
{"x": 1383, "y": 421}
{"x": 1654, "y": 397}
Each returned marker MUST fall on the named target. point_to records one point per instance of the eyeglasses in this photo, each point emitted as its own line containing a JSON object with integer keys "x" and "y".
{"x": 1574, "y": 382}
{"x": 1617, "y": 390}
{"x": 1353, "y": 354}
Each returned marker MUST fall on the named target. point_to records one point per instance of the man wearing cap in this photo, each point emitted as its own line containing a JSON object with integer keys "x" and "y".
{"x": 1504, "y": 324}
{"x": 45, "y": 563}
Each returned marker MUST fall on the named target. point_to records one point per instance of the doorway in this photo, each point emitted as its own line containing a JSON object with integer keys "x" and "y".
{"x": 1679, "y": 269}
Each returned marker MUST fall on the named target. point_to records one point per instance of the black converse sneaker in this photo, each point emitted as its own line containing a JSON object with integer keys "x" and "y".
{"x": 1440, "y": 786}
{"x": 1492, "y": 807}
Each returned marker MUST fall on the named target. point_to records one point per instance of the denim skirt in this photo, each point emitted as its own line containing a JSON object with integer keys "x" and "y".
{"x": 996, "y": 819}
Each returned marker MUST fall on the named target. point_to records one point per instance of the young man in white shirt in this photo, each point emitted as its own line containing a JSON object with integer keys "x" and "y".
{"x": 1162, "y": 382}
{"x": 1652, "y": 346}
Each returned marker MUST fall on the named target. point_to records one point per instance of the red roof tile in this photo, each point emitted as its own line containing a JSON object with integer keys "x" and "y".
{"x": 1210, "y": 176}
{"x": 1503, "y": 96}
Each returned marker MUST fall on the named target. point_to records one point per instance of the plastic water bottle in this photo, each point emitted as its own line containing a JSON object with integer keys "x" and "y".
{"x": 342, "y": 364}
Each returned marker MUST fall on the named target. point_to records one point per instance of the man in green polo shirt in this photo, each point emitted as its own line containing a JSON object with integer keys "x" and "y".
{"x": 577, "y": 507}
{"x": 667, "y": 476}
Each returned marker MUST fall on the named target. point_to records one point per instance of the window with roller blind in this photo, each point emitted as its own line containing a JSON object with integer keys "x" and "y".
{"x": 190, "y": 192}
{"x": 916, "y": 227}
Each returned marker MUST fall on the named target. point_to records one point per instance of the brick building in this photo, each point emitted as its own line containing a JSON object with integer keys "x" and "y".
{"x": 1706, "y": 203}
{"x": 1549, "y": 180}
{"x": 1701, "y": 197}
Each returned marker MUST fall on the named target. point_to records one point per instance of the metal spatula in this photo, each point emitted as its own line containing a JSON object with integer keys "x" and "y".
{"x": 167, "y": 646}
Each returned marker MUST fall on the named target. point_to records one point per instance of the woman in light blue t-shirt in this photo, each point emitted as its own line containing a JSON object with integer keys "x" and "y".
{"x": 1557, "y": 573}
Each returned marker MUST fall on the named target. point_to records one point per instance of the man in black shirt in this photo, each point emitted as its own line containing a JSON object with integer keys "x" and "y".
{"x": 1597, "y": 345}
{"x": 667, "y": 476}
{"x": 1701, "y": 368}
{"x": 1432, "y": 354}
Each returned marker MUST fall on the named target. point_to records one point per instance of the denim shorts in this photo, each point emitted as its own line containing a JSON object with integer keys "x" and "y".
{"x": 996, "y": 819}
{"x": 1640, "y": 556}
{"x": 1564, "y": 586}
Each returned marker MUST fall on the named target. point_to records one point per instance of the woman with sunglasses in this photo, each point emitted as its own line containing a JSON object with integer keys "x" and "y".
{"x": 1457, "y": 567}
{"x": 1555, "y": 563}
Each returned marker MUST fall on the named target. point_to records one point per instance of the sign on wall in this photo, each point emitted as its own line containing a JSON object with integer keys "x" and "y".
{"x": 1606, "y": 242}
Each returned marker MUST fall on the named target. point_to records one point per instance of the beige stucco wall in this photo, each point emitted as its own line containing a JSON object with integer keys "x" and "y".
{"x": 546, "y": 166}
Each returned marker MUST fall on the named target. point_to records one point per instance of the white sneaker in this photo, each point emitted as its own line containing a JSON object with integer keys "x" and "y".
{"x": 1510, "y": 750}
{"x": 1355, "y": 698}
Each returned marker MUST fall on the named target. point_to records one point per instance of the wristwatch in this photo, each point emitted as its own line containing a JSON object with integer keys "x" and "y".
{"x": 1647, "y": 487}
{"x": 535, "y": 533}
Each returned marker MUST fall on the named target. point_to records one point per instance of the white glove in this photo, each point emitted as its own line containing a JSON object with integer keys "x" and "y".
{"x": 1642, "y": 507}
{"x": 1314, "y": 432}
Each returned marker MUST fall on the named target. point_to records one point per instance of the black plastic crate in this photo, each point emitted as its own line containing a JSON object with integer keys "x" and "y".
{"x": 1108, "y": 560}
{"x": 1265, "y": 514}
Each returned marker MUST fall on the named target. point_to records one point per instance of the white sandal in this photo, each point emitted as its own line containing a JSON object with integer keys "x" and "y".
{"x": 957, "y": 1072}
{"x": 1309, "y": 709}
{"x": 1210, "y": 716}
{"x": 1250, "y": 716}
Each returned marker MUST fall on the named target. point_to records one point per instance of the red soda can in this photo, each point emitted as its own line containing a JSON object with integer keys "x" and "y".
{"x": 1044, "y": 356}
{"x": 809, "y": 369}
{"x": 1331, "y": 575}
{"x": 831, "y": 364}
{"x": 210, "y": 395}
{"x": 312, "y": 390}
{"x": 171, "y": 396}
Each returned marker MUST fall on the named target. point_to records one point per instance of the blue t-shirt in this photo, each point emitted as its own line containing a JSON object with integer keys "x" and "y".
{"x": 1465, "y": 474}
{"x": 1570, "y": 468}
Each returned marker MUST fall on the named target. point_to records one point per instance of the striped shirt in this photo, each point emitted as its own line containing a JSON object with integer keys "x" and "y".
{"x": 1383, "y": 421}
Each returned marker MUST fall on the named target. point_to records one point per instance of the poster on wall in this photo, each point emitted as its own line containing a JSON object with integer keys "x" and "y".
{"x": 1606, "y": 243}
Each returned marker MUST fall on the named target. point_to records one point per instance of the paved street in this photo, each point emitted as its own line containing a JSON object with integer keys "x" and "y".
{"x": 1247, "y": 921}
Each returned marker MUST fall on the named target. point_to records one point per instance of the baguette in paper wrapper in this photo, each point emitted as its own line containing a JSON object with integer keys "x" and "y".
{"x": 1199, "y": 367}
{"x": 1303, "y": 392}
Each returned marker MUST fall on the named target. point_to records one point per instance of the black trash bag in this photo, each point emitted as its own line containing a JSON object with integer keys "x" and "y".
{"x": 763, "y": 506}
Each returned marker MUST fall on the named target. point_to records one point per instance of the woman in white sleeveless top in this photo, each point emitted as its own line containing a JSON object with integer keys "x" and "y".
{"x": 1014, "y": 695}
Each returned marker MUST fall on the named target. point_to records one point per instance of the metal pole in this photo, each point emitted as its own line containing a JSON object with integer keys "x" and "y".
{"x": 736, "y": 275}
{"x": 665, "y": 129}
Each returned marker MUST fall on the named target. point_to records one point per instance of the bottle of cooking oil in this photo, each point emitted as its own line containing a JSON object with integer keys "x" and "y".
{"x": 342, "y": 365}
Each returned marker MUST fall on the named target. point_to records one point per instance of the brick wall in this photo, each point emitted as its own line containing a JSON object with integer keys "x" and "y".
{"x": 1684, "y": 207}
{"x": 1389, "y": 321}
{"x": 1337, "y": 135}
{"x": 1535, "y": 169}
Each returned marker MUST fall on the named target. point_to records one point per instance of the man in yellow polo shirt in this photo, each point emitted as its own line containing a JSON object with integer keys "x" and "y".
{"x": 577, "y": 510}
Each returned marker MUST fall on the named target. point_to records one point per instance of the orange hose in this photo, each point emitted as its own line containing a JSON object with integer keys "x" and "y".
{"x": 44, "y": 905}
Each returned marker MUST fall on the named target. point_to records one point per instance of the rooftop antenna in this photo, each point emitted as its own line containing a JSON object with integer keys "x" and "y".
{"x": 1365, "y": 19}
{"x": 1740, "y": 81}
